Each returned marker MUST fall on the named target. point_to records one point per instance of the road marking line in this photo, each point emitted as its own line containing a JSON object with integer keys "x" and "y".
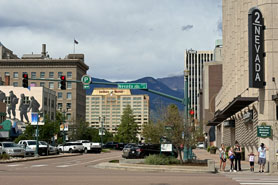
{"x": 62, "y": 166}
{"x": 13, "y": 165}
{"x": 39, "y": 165}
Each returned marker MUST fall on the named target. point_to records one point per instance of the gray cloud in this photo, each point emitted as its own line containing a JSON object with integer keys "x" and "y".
{"x": 121, "y": 40}
{"x": 187, "y": 27}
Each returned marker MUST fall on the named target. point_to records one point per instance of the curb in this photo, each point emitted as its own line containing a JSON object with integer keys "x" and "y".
{"x": 152, "y": 168}
{"x": 38, "y": 158}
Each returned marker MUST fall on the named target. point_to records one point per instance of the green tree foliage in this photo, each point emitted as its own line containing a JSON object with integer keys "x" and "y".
{"x": 82, "y": 131}
{"x": 128, "y": 129}
{"x": 152, "y": 132}
{"x": 174, "y": 122}
{"x": 46, "y": 132}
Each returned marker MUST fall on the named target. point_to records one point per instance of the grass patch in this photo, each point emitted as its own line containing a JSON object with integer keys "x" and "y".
{"x": 4, "y": 157}
{"x": 105, "y": 150}
{"x": 161, "y": 160}
{"x": 114, "y": 161}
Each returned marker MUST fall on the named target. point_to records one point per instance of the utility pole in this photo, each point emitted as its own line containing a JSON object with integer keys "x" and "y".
{"x": 186, "y": 150}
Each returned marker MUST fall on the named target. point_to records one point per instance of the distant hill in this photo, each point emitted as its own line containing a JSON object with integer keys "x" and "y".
{"x": 170, "y": 85}
{"x": 175, "y": 83}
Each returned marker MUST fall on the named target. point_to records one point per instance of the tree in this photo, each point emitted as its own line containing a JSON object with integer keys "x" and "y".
{"x": 152, "y": 132}
{"x": 174, "y": 120}
{"x": 128, "y": 129}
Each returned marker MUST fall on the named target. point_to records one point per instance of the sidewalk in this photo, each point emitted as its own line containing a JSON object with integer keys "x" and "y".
{"x": 202, "y": 154}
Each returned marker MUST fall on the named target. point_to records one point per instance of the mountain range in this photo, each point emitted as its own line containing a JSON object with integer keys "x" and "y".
{"x": 169, "y": 85}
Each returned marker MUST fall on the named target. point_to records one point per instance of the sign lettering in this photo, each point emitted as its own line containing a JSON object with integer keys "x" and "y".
{"x": 256, "y": 48}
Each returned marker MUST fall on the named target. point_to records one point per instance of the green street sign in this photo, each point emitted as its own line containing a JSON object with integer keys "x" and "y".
{"x": 86, "y": 79}
{"x": 132, "y": 85}
{"x": 264, "y": 131}
{"x": 86, "y": 86}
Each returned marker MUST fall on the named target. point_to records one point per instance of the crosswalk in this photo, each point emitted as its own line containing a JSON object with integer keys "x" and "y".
{"x": 253, "y": 178}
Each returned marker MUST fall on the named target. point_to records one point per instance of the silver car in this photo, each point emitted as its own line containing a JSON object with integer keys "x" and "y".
{"x": 12, "y": 149}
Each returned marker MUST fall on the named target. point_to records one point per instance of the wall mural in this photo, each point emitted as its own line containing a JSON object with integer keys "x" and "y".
{"x": 24, "y": 106}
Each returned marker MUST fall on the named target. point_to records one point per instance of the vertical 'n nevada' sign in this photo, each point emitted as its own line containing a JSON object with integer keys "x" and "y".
{"x": 256, "y": 48}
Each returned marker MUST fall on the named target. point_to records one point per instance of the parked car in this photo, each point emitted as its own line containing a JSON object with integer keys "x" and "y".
{"x": 110, "y": 144}
{"x": 120, "y": 146}
{"x": 141, "y": 151}
{"x": 42, "y": 150}
{"x": 200, "y": 145}
{"x": 51, "y": 149}
{"x": 29, "y": 152}
{"x": 71, "y": 147}
{"x": 90, "y": 146}
{"x": 12, "y": 149}
{"x": 130, "y": 151}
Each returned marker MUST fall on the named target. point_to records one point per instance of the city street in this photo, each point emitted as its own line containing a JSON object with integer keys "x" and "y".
{"x": 80, "y": 170}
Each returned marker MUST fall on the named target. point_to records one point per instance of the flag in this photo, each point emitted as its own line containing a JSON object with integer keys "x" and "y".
{"x": 75, "y": 41}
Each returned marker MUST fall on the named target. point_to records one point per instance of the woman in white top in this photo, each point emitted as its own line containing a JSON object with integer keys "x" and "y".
{"x": 262, "y": 156}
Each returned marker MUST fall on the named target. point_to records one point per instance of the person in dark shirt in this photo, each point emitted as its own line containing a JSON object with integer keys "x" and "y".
{"x": 237, "y": 150}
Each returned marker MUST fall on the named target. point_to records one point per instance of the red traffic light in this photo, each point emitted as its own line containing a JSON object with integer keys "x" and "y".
{"x": 191, "y": 112}
{"x": 25, "y": 75}
{"x": 63, "y": 77}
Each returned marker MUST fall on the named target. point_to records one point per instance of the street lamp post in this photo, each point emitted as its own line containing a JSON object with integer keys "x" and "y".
{"x": 185, "y": 103}
{"x": 101, "y": 129}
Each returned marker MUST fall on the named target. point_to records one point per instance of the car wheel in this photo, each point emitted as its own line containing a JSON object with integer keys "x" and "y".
{"x": 70, "y": 150}
{"x": 60, "y": 150}
{"x": 85, "y": 150}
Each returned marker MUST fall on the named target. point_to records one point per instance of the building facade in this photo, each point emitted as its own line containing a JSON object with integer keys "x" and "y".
{"x": 45, "y": 97}
{"x": 241, "y": 109}
{"x": 72, "y": 100}
{"x": 212, "y": 83}
{"x": 106, "y": 105}
{"x": 194, "y": 63}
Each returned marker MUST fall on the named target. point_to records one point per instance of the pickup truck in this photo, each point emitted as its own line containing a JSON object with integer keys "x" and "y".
{"x": 90, "y": 146}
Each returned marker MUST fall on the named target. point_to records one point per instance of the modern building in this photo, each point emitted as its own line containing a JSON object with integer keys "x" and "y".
{"x": 194, "y": 63}
{"x": 212, "y": 83}
{"x": 72, "y": 100}
{"x": 106, "y": 105}
{"x": 249, "y": 96}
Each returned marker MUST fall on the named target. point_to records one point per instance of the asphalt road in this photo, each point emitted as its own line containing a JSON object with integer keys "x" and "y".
{"x": 79, "y": 170}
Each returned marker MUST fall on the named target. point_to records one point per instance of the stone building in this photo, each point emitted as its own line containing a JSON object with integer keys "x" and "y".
{"x": 72, "y": 100}
{"x": 248, "y": 97}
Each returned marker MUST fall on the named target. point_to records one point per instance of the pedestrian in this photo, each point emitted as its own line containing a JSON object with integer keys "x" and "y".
{"x": 262, "y": 157}
{"x": 251, "y": 160}
{"x": 237, "y": 151}
{"x": 222, "y": 156}
{"x": 231, "y": 155}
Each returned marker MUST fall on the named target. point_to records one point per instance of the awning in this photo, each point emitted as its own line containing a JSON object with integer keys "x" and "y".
{"x": 233, "y": 107}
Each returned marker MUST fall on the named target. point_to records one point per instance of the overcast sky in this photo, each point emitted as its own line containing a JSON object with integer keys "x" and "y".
{"x": 121, "y": 39}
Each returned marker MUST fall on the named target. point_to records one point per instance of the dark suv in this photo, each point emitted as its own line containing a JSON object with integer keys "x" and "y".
{"x": 141, "y": 151}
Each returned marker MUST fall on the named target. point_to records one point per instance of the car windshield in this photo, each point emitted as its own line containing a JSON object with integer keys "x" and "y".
{"x": 7, "y": 145}
{"x": 75, "y": 143}
{"x": 43, "y": 143}
{"x": 32, "y": 143}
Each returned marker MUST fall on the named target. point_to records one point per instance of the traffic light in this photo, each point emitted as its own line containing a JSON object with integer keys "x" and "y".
{"x": 191, "y": 112}
{"x": 63, "y": 83}
{"x": 25, "y": 80}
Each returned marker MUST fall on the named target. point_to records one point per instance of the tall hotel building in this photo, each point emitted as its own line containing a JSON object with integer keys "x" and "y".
{"x": 72, "y": 100}
{"x": 194, "y": 63}
{"x": 106, "y": 105}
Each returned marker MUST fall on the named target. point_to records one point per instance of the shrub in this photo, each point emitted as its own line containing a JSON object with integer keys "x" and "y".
{"x": 4, "y": 157}
{"x": 161, "y": 160}
{"x": 208, "y": 149}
